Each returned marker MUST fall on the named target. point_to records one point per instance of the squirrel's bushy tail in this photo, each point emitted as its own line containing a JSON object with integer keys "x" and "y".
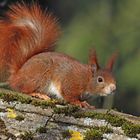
{"x": 25, "y": 32}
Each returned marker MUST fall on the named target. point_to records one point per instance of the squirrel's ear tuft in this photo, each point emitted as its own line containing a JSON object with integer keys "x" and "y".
{"x": 93, "y": 60}
{"x": 111, "y": 61}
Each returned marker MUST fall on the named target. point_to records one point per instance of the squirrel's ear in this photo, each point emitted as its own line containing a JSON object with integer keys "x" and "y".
{"x": 93, "y": 60}
{"x": 111, "y": 61}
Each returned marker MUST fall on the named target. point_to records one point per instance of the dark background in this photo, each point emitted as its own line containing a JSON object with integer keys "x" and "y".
{"x": 107, "y": 25}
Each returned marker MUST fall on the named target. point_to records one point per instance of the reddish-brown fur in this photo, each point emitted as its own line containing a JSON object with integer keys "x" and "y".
{"x": 20, "y": 41}
{"x": 26, "y": 48}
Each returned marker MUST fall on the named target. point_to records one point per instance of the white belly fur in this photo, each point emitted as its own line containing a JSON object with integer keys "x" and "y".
{"x": 54, "y": 90}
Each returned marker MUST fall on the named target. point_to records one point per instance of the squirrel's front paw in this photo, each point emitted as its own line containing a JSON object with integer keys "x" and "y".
{"x": 84, "y": 104}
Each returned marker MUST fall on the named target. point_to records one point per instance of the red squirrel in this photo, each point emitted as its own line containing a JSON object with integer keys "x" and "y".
{"x": 27, "y": 40}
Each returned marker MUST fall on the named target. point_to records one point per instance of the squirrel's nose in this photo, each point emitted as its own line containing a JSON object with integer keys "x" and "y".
{"x": 112, "y": 87}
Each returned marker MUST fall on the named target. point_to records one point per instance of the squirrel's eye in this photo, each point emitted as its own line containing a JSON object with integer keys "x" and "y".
{"x": 100, "y": 79}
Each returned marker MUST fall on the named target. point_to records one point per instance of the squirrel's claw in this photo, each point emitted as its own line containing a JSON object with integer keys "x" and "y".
{"x": 84, "y": 104}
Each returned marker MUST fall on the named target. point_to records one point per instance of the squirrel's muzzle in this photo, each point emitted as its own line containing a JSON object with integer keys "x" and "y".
{"x": 112, "y": 88}
{"x": 109, "y": 89}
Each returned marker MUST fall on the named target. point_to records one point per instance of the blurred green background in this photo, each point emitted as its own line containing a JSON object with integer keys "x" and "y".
{"x": 107, "y": 25}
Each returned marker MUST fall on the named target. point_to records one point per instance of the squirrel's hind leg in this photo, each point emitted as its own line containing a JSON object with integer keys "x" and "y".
{"x": 39, "y": 95}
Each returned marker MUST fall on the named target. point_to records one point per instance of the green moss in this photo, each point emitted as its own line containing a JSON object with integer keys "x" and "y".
{"x": 41, "y": 129}
{"x": 19, "y": 118}
{"x": 60, "y": 102}
{"x": 26, "y": 99}
{"x": 93, "y": 134}
{"x": 105, "y": 129}
{"x": 42, "y": 103}
{"x": 22, "y": 99}
{"x": 15, "y": 97}
{"x": 68, "y": 110}
{"x": 130, "y": 129}
{"x": 97, "y": 132}
{"x": 88, "y": 114}
{"x": 112, "y": 119}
